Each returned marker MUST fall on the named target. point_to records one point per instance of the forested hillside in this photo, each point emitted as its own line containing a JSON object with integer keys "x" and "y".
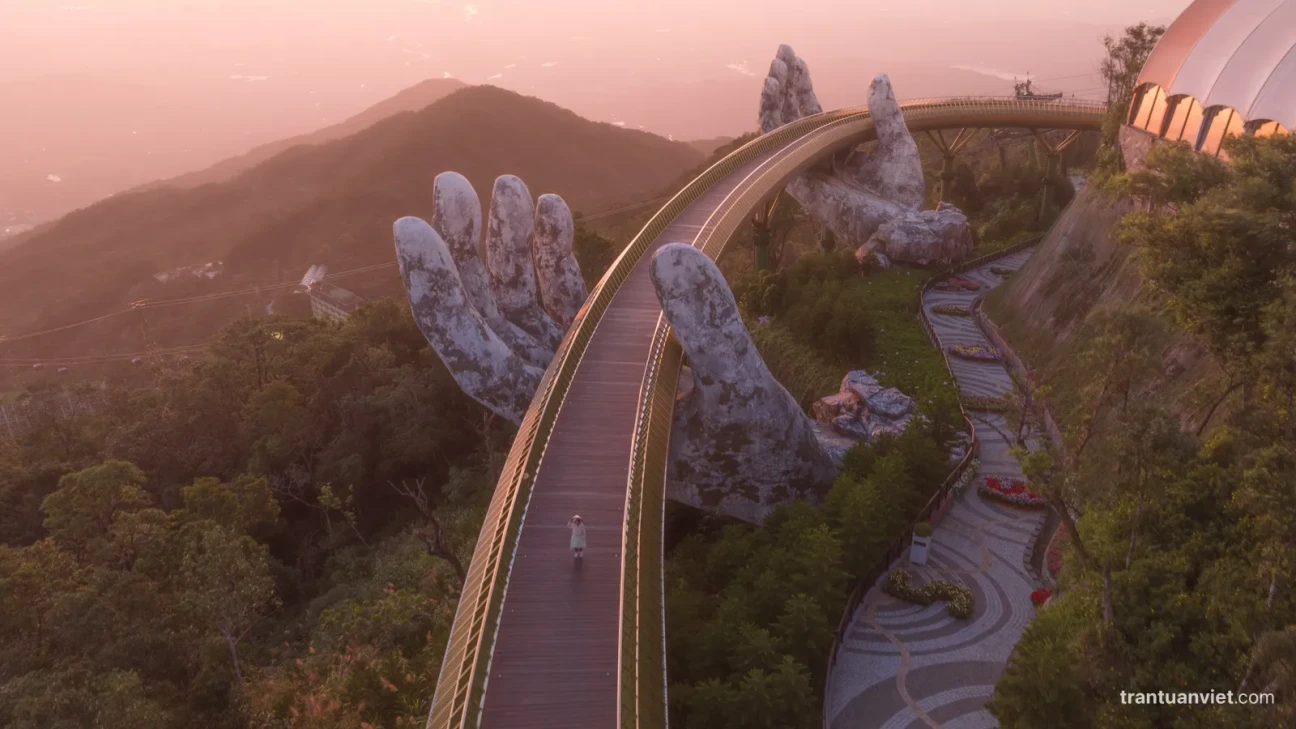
{"x": 332, "y": 203}
{"x": 273, "y": 536}
{"x": 1162, "y": 332}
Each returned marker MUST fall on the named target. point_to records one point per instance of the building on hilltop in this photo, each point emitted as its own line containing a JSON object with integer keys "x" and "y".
{"x": 333, "y": 303}
{"x": 1223, "y": 67}
{"x": 327, "y": 300}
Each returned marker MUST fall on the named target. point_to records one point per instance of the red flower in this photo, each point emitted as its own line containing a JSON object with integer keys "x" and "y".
{"x": 1040, "y": 596}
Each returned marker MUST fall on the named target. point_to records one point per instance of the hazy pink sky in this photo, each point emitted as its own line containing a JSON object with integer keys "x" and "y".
{"x": 113, "y": 93}
{"x": 169, "y": 39}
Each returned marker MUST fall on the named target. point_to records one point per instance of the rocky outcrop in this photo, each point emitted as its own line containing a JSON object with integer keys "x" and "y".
{"x": 861, "y": 410}
{"x": 939, "y": 237}
{"x": 860, "y": 191}
{"x": 740, "y": 444}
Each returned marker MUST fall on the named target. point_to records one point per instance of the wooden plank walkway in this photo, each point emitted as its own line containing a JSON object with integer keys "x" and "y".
{"x": 555, "y": 657}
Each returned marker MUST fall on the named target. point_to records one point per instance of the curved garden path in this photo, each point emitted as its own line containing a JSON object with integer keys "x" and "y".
{"x": 903, "y": 666}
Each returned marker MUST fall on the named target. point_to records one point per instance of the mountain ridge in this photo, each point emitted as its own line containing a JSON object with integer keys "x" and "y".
{"x": 330, "y": 203}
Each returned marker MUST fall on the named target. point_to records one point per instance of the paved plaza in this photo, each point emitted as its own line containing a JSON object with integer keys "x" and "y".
{"x": 904, "y": 666}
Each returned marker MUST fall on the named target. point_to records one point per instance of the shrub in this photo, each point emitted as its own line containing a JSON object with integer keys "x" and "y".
{"x": 951, "y": 310}
{"x": 987, "y": 404}
{"x": 958, "y": 598}
{"x": 803, "y": 371}
{"x": 922, "y": 529}
{"x": 978, "y": 352}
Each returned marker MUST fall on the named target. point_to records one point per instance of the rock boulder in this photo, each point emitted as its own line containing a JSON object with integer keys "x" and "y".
{"x": 939, "y": 237}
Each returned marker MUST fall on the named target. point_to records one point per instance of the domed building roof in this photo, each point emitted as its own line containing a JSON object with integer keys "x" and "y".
{"x": 1235, "y": 60}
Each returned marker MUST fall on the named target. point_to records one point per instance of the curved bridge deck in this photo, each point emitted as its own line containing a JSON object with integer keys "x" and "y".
{"x": 555, "y": 662}
{"x": 539, "y": 641}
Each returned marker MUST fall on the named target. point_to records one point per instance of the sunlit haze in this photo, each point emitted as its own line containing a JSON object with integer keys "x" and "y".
{"x": 154, "y": 88}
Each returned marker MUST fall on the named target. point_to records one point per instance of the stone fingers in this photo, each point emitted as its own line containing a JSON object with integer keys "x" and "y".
{"x": 788, "y": 93}
{"x": 740, "y": 442}
{"x": 480, "y": 361}
{"x": 508, "y": 258}
{"x": 457, "y": 218}
{"x": 562, "y": 289}
{"x": 894, "y": 169}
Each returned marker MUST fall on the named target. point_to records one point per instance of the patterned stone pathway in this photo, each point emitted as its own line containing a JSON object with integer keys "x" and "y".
{"x": 903, "y": 666}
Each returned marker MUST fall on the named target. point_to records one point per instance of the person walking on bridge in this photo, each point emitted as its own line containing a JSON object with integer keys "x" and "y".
{"x": 577, "y": 527}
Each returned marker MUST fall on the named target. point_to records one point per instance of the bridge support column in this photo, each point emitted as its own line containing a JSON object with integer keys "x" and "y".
{"x": 763, "y": 231}
{"x": 1053, "y": 166}
{"x": 949, "y": 150}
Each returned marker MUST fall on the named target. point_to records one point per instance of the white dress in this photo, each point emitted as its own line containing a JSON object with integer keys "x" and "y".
{"x": 578, "y": 536}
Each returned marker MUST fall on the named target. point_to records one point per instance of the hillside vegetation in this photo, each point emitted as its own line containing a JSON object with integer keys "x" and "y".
{"x": 332, "y": 203}
{"x": 1159, "y": 317}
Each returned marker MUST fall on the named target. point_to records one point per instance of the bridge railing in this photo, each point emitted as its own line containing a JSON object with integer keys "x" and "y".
{"x": 461, "y": 685}
{"x": 943, "y": 496}
{"x": 465, "y": 666}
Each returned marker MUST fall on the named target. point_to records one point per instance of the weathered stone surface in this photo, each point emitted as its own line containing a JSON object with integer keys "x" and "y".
{"x": 879, "y": 427}
{"x": 457, "y": 218}
{"x": 938, "y": 237}
{"x": 861, "y": 384}
{"x": 893, "y": 170}
{"x": 562, "y": 290}
{"x": 841, "y": 403}
{"x": 850, "y": 426}
{"x": 740, "y": 443}
{"x": 890, "y": 403}
{"x": 834, "y": 444}
{"x": 788, "y": 94}
{"x": 508, "y": 258}
{"x": 860, "y": 191}
{"x": 483, "y": 365}
{"x": 861, "y": 410}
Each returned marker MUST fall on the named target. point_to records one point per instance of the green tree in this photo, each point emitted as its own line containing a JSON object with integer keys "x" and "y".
{"x": 226, "y": 584}
{"x": 80, "y": 513}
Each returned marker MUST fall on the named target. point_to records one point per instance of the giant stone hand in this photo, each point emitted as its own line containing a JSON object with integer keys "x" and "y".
{"x": 484, "y": 318}
{"x": 857, "y": 193}
{"x": 740, "y": 442}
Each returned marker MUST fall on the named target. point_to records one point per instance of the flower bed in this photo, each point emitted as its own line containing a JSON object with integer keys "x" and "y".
{"x": 1010, "y": 491}
{"x": 954, "y": 283}
{"x": 958, "y": 598}
{"x": 951, "y": 310}
{"x": 978, "y": 352}
{"x": 1040, "y": 596}
{"x": 986, "y": 404}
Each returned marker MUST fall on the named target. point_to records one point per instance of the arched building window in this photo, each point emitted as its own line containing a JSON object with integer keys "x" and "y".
{"x": 1182, "y": 120}
{"x": 1148, "y": 107}
{"x": 1220, "y": 122}
{"x": 1265, "y": 128}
